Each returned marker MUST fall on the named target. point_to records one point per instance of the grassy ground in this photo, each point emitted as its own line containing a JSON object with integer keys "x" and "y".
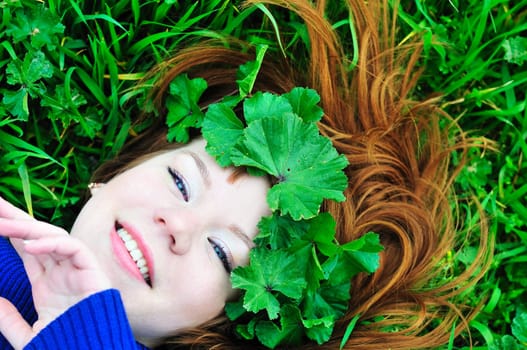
{"x": 67, "y": 69}
{"x": 477, "y": 59}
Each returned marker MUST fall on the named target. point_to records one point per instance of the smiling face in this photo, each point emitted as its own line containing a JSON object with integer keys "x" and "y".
{"x": 168, "y": 231}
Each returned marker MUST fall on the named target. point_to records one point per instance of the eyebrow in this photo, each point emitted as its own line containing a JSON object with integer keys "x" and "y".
{"x": 203, "y": 170}
{"x": 242, "y": 235}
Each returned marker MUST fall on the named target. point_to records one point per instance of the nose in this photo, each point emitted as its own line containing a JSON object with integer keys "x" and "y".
{"x": 180, "y": 227}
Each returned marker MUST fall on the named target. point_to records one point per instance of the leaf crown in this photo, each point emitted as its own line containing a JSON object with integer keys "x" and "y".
{"x": 297, "y": 284}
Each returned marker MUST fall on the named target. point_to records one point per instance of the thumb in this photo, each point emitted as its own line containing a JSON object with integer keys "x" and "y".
{"x": 13, "y": 326}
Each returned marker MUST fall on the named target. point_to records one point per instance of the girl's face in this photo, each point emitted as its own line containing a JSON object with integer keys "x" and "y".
{"x": 168, "y": 232}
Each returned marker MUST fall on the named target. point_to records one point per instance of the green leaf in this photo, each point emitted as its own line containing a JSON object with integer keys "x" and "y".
{"x": 321, "y": 308}
{"x": 222, "y": 129}
{"x": 39, "y": 24}
{"x": 14, "y": 73}
{"x": 369, "y": 242}
{"x": 34, "y": 67}
{"x": 247, "y": 331}
{"x": 322, "y": 233}
{"x": 265, "y": 104}
{"x": 27, "y": 73}
{"x": 269, "y": 272}
{"x": 362, "y": 261}
{"x": 305, "y": 163}
{"x": 330, "y": 264}
{"x": 519, "y": 326}
{"x": 16, "y": 103}
{"x": 234, "y": 310}
{"x": 507, "y": 342}
{"x": 360, "y": 255}
{"x": 320, "y": 330}
{"x": 305, "y": 103}
{"x": 64, "y": 105}
{"x": 37, "y": 67}
{"x": 247, "y": 73}
{"x": 328, "y": 300}
{"x": 515, "y": 50}
{"x": 289, "y": 332}
{"x": 279, "y": 231}
{"x": 306, "y": 255}
{"x": 183, "y": 107}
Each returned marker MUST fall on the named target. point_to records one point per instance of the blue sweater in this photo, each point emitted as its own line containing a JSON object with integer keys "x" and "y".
{"x": 97, "y": 322}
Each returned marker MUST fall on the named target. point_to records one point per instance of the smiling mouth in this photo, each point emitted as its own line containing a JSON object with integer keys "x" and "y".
{"x": 135, "y": 253}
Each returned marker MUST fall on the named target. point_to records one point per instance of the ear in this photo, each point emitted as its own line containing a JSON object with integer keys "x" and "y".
{"x": 94, "y": 187}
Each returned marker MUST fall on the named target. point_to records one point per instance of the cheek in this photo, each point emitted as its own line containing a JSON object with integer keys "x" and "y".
{"x": 204, "y": 297}
{"x": 187, "y": 301}
{"x": 136, "y": 184}
{"x": 193, "y": 303}
{"x": 92, "y": 218}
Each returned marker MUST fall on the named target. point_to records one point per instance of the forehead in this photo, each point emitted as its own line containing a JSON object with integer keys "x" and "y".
{"x": 196, "y": 146}
{"x": 196, "y": 150}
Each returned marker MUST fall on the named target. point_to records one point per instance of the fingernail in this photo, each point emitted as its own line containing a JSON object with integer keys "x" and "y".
{"x": 26, "y": 241}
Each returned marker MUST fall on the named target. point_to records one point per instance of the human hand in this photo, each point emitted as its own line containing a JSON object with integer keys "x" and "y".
{"x": 9, "y": 211}
{"x": 62, "y": 271}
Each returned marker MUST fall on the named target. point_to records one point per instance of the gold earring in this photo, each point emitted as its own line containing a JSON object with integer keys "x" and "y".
{"x": 94, "y": 186}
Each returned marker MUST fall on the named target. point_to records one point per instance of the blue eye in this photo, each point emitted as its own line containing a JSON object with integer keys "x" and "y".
{"x": 180, "y": 183}
{"x": 222, "y": 255}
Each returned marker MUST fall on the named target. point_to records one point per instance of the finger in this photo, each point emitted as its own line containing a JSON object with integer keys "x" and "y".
{"x": 62, "y": 248}
{"x": 80, "y": 268}
{"x": 9, "y": 211}
{"x": 28, "y": 229}
{"x": 32, "y": 265}
{"x": 13, "y": 326}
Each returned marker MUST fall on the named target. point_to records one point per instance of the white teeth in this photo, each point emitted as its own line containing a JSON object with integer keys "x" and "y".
{"x": 141, "y": 263}
{"x": 131, "y": 244}
{"x": 135, "y": 253}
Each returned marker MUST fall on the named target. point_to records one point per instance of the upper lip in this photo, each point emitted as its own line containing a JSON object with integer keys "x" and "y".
{"x": 141, "y": 245}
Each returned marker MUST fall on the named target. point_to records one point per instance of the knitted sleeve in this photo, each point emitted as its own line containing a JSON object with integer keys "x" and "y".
{"x": 97, "y": 322}
{"x": 14, "y": 285}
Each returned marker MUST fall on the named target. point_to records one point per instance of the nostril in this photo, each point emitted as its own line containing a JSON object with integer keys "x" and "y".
{"x": 172, "y": 244}
{"x": 160, "y": 220}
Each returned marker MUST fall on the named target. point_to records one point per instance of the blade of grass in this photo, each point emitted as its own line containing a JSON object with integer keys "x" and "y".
{"x": 271, "y": 18}
{"x": 93, "y": 87}
{"x": 484, "y": 330}
{"x": 29, "y": 150}
{"x": 450, "y": 345}
{"x": 26, "y": 188}
{"x": 349, "y": 330}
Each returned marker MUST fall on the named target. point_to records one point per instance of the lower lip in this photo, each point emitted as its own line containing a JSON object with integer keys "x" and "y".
{"x": 123, "y": 257}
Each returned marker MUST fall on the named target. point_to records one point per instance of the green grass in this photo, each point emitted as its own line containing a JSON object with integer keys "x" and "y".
{"x": 68, "y": 68}
{"x": 476, "y": 57}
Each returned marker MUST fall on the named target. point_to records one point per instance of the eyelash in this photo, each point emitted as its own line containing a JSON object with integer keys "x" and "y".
{"x": 180, "y": 183}
{"x": 222, "y": 255}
